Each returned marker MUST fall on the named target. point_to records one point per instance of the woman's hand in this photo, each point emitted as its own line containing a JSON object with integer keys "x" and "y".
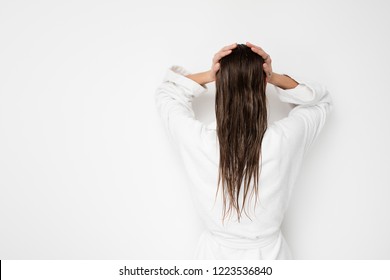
{"x": 267, "y": 66}
{"x": 217, "y": 57}
{"x": 209, "y": 76}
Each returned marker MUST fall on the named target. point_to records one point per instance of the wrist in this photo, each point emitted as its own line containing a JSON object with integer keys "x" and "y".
{"x": 201, "y": 77}
{"x": 208, "y": 76}
{"x": 283, "y": 81}
{"x": 273, "y": 79}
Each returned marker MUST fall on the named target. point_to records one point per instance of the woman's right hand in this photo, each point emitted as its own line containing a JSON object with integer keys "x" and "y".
{"x": 267, "y": 66}
{"x": 217, "y": 57}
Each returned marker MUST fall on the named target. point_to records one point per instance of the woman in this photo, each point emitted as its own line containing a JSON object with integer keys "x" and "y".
{"x": 242, "y": 169}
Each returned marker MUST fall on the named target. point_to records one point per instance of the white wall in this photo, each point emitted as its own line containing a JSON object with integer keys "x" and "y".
{"x": 86, "y": 171}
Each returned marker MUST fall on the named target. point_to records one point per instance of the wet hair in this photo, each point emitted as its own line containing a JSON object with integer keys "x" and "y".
{"x": 241, "y": 117}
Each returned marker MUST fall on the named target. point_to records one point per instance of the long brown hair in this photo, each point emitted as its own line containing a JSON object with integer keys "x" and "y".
{"x": 241, "y": 117}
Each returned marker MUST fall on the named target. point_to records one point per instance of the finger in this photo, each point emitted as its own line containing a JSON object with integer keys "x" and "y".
{"x": 250, "y": 44}
{"x": 257, "y": 49}
{"x": 267, "y": 69}
{"x": 229, "y": 47}
{"x": 267, "y": 59}
{"x": 221, "y": 54}
{"x": 216, "y": 67}
{"x": 260, "y": 52}
{"x": 254, "y": 46}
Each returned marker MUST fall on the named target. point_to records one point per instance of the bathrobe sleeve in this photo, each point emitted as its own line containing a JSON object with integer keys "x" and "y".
{"x": 306, "y": 120}
{"x": 174, "y": 104}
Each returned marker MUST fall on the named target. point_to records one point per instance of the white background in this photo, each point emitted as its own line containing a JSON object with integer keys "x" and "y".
{"x": 86, "y": 170}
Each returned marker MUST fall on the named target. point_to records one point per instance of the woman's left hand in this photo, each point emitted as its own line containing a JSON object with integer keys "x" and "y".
{"x": 217, "y": 57}
{"x": 267, "y": 66}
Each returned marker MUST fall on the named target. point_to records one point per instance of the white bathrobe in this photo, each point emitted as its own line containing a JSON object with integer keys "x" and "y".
{"x": 284, "y": 146}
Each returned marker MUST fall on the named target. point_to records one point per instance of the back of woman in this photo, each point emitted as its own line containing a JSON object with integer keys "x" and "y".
{"x": 242, "y": 169}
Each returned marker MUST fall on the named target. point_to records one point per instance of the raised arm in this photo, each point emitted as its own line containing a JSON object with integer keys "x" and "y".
{"x": 174, "y": 104}
{"x": 201, "y": 78}
{"x": 312, "y": 105}
{"x": 283, "y": 81}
